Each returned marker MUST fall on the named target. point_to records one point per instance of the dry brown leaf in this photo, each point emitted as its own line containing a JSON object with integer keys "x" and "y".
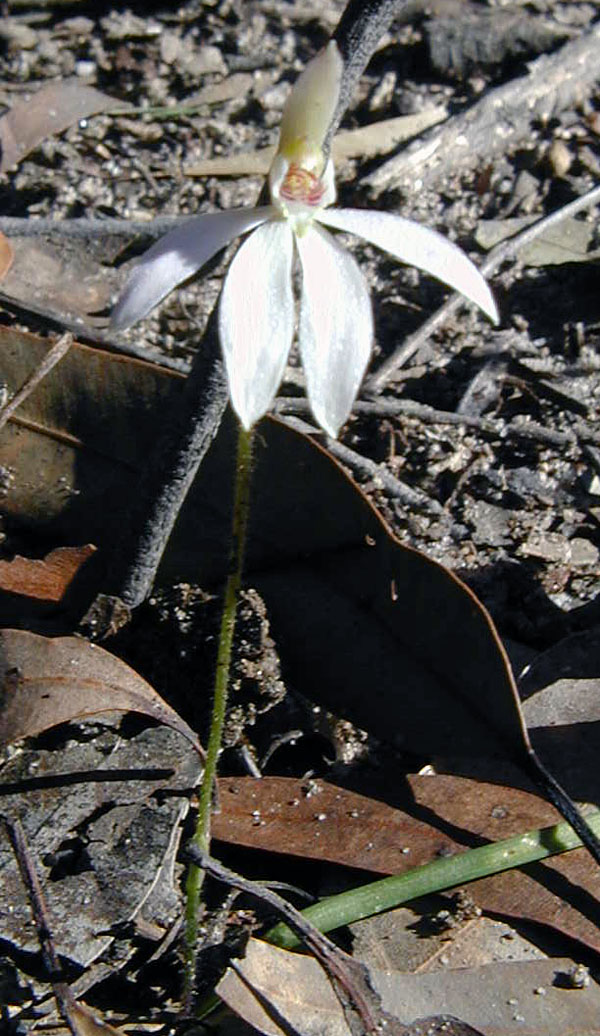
{"x": 89, "y": 1023}
{"x": 321, "y": 821}
{"x": 6, "y": 256}
{"x": 48, "y": 111}
{"x": 364, "y": 142}
{"x": 46, "y": 579}
{"x": 316, "y": 548}
{"x": 46, "y": 682}
{"x": 278, "y": 992}
{"x": 61, "y": 276}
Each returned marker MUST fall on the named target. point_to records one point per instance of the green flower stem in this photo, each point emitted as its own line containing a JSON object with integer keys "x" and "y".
{"x": 201, "y": 837}
{"x": 441, "y": 874}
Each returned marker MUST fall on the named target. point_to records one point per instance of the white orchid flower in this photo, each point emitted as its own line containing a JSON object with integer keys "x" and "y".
{"x": 256, "y": 310}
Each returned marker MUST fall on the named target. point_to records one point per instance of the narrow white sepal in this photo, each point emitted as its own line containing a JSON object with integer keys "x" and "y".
{"x": 336, "y": 327}
{"x": 177, "y": 256}
{"x": 418, "y": 246}
{"x": 256, "y": 318}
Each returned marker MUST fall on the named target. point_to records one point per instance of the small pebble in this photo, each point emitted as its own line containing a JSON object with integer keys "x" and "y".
{"x": 578, "y": 976}
{"x": 85, "y": 69}
{"x": 559, "y": 158}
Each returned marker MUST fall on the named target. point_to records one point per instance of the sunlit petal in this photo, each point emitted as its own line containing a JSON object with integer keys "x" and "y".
{"x": 336, "y": 327}
{"x": 256, "y": 318}
{"x": 177, "y": 256}
{"x": 418, "y": 246}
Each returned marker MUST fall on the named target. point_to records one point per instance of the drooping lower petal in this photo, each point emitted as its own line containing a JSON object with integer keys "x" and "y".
{"x": 336, "y": 327}
{"x": 256, "y": 318}
{"x": 177, "y": 256}
{"x": 418, "y": 246}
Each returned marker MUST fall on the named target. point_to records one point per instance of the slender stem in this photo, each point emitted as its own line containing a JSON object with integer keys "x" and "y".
{"x": 54, "y": 355}
{"x": 446, "y": 873}
{"x": 201, "y": 837}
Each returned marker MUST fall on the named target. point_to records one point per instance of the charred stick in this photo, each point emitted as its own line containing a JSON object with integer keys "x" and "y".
{"x": 25, "y": 226}
{"x": 491, "y": 428}
{"x": 498, "y": 256}
{"x": 347, "y": 975}
{"x": 88, "y": 333}
{"x": 162, "y": 490}
{"x": 500, "y": 121}
{"x": 52, "y": 357}
{"x": 367, "y": 468}
{"x": 31, "y": 881}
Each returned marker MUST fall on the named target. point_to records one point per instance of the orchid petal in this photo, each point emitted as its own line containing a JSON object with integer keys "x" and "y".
{"x": 336, "y": 327}
{"x": 177, "y": 256}
{"x": 417, "y": 246}
{"x": 256, "y": 319}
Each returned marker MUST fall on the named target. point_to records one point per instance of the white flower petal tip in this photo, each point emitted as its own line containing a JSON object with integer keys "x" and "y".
{"x": 417, "y": 246}
{"x": 488, "y": 303}
{"x": 178, "y": 256}
{"x": 336, "y": 327}
{"x": 256, "y": 319}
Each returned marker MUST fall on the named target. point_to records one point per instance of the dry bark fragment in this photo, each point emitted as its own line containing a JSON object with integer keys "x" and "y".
{"x": 499, "y": 122}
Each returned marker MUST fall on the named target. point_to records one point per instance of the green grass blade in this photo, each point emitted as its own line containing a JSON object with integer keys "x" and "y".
{"x": 445, "y": 873}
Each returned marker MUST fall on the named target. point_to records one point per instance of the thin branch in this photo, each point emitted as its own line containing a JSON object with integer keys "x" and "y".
{"x": 52, "y": 357}
{"x": 511, "y": 248}
{"x": 163, "y": 487}
{"x": 530, "y": 431}
{"x": 25, "y": 226}
{"x": 31, "y": 881}
{"x": 416, "y": 499}
{"x": 88, "y": 333}
{"x": 497, "y": 257}
{"x": 346, "y": 973}
{"x": 500, "y": 121}
{"x": 562, "y": 801}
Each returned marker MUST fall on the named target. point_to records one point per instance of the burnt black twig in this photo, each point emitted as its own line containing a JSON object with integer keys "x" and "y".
{"x": 349, "y": 977}
{"x": 163, "y": 488}
{"x": 497, "y": 257}
{"x": 562, "y": 801}
{"x": 360, "y": 29}
{"x": 90, "y": 333}
{"x": 365, "y": 467}
{"x": 25, "y": 226}
{"x": 31, "y": 881}
{"x": 491, "y": 428}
